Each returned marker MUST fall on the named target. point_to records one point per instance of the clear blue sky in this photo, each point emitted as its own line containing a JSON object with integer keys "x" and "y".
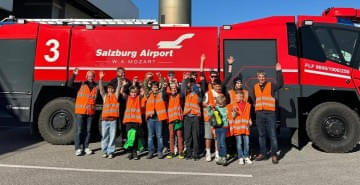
{"x": 220, "y": 12}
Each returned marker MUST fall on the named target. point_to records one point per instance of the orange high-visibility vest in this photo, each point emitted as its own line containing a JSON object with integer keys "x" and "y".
{"x": 211, "y": 102}
{"x": 133, "y": 111}
{"x": 86, "y": 100}
{"x": 192, "y": 104}
{"x": 240, "y": 124}
{"x": 174, "y": 108}
{"x": 232, "y": 95}
{"x": 156, "y": 104}
{"x": 110, "y": 106}
{"x": 264, "y": 100}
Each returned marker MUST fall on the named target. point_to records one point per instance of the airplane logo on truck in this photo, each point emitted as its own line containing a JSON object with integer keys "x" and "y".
{"x": 176, "y": 43}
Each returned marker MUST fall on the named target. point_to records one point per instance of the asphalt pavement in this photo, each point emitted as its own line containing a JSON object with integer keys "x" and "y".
{"x": 25, "y": 159}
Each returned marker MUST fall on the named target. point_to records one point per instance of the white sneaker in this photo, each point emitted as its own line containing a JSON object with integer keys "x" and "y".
{"x": 104, "y": 155}
{"x": 241, "y": 161}
{"x": 88, "y": 151}
{"x": 217, "y": 158}
{"x": 110, "y": 156}
{"x": 248, "y": 161}
{"x": 78, "y": 152}
{"x": 208, "y": 157}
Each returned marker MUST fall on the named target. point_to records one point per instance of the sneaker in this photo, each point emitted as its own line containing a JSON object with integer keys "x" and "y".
{"x": 170, "y": 156}
{"x": 88, "y": 151}
{"x": 208, "y": 157}
{"x": 130, "y": 156}
{"x": 181, "y": 155}
{"x": 196, "y": 158}
{"x": 248, "y": 161}
{"x": 110, "y": 156}
{"x": 241, "y": 161}
{"x": 224, "y": 161}
{"x": 220, "y": 161}
{"x": 260, "y": 157}
{"x": 188, "y": 156}
{"x": 217, "y": 158}
{"x": 160, "y": 155}
{"x": 136, "y": 156}
{"x": 104, "y": 156}
{"x": 149, "y": 156}
{"x": 274, "y": 159}
{"x": 78, "y": 152}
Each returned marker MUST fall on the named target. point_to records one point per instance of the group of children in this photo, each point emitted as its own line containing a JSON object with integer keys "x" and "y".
{"x": 181, "y": 108}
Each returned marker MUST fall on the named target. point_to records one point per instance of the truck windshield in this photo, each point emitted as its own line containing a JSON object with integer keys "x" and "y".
{"x": 337, "y": 44}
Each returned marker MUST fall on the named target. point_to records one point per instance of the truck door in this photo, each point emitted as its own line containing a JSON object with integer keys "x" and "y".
{"x": 17, "y": 52}
{"x": 327, "y": 55}
{"x": 356, "y": 64}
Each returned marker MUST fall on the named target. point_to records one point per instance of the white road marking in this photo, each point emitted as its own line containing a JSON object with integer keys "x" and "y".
{"x": 125, "y": 171}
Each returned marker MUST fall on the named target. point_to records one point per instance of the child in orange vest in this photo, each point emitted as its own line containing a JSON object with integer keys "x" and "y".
{"x": 110, "y": 114}
{"x": 133, "y": 120}
{"x": 240, "y": 122}
{"x": 155, "y": 113}
{"x": 192, "y": 114}
{"x": 175, "y": 115}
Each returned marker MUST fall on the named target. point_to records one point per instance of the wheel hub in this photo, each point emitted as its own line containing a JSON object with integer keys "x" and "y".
{"x": 60, "y": 121}
{"x": 334, "y": 127}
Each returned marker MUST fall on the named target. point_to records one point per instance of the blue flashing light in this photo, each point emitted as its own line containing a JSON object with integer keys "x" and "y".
{"x": 6, "y": 23}
{"x": 347, "y": 22}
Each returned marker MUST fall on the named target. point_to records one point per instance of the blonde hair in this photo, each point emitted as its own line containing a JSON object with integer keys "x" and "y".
{"x": 261, "y": 73}
{"x": 221, "y": 100}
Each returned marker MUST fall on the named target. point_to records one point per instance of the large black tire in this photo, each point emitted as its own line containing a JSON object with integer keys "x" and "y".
{"x": 333, "y": 127}
{"x": 57, "y": 121}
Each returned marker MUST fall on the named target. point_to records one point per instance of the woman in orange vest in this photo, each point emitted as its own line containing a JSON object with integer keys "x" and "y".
{"x": 265, "y": 112}
{"x": 133, "y": 120}
{"x": 109, "y": 116}
{"x": 84, "y": 110}
{"x": 175, "y": 115}
{"x": 239, "y": 124}
{"x": 238, "y": 85}
{"x": 155, "y": 114}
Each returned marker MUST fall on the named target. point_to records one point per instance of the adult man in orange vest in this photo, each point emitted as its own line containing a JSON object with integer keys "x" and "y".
{"x": 264, "y": 100}
{"x": 84, "y": 110}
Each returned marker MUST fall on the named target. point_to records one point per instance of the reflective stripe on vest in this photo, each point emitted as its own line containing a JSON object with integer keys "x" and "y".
{"x": 174, "y": 109}
{"x": 110, "y": 107}
{"x": 156, "y": 104}
{"x": 86, "y": 100}
{"x": 264, "y": 100}
{"x": 133, "y": 111}
{"x": 192, "y": 104}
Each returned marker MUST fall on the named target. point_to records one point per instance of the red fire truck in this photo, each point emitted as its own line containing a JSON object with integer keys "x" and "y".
{"x": 319, "y": 55}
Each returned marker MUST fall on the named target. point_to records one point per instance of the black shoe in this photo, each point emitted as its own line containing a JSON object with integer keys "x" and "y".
{"x": 130, "y": 156}
{"x": 188, "y": 157}
{"x": 196, "y": 158}
{"x": 136, "y": 157}
{"x": 275, "y": 160}
{"x": 149, "y": 156}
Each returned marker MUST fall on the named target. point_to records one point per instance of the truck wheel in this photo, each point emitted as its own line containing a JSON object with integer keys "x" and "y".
{"x": 333, "y": 127}
{"x": 57, "y": 121}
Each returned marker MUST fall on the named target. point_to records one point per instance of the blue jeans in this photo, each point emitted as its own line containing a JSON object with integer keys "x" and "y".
{"x": 265, "y": 123}
{"x": 82, "y": 131}
{"x": 242, "y": 153}
{"x": 154, "y": 127}
{"x": 108, "y": 129}
{"x": 220, "y": 137}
